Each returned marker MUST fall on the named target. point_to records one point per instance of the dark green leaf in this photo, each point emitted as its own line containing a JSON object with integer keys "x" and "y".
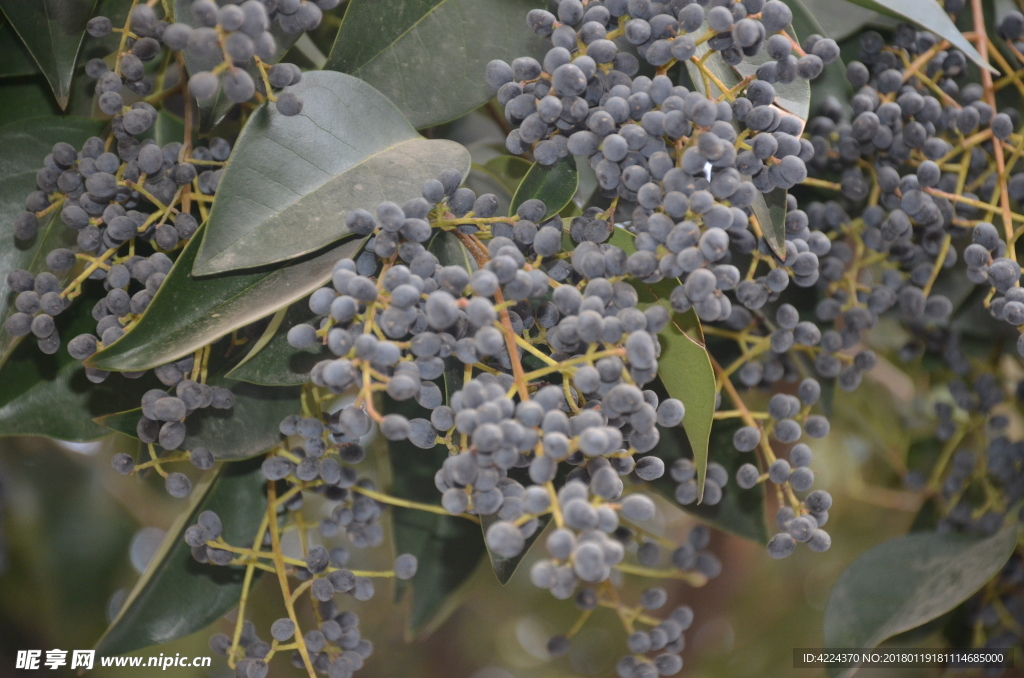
{"x": 15, "y": 59}
{"x": 349, "y": 148}
{"x": 213, "y": 110}
{"x": 277, "y": 363}
{"x": 740, "y": 512}
{"x": 448, "y": 548}
{"x": 770, "y": 210}
{"x": 684, "y": 367}
{"x": 247, "y": 429}
{"x": 24, "y": 145}
{"x": 555, "y": 185}
{"x": 930, "y": 15}
{"x": 450, "y": 251}
{"x": 36, "y": 387}
{"x": 503, "y": 567}
{"x": 906, "y": 582}
{"x": 24, "y": 98}
{"x": 408, "y": 48}
{"x": 838, "y": 20}
{"x": 832, "y": 81}
{"x": 176, "y": 595}
{"x": 187, "y": 313}
{"x": 52, "y": 30}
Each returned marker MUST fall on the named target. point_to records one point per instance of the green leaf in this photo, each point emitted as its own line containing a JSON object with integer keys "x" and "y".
{"x": 555, "y": 185}
{"x": 429, "y": 56}
{"x": 684, "y": 367}
{"x": 450, "y": 251}
{"x": 740, "y": 512}
{"x": 213, "y": 110}
{"x": 24, "y": 145}
{"x": 687, "y": 375}
{"x": 448, "y": 548}
{"x": 24, "y": 98}
{"x": 177, "y": 595}
{"x": 906, "y": 582}
{"x": 290, "y": 181}
{"x": 930, "y": 15}
{"x": 36, "y": 387}
{"x": 15, "y": 59}
{"x": 832, "y": 81}
{"x": 187, "y": 313}
{"x": 52, "y": 31}
{"x": 277, "y": 363}
{"x": 836, "y": 20}
{"x": 503, "y": 567}
{"x": 247, "y": 429}
{"x": 510, "y": 169}
{"x": 770, "y": 210}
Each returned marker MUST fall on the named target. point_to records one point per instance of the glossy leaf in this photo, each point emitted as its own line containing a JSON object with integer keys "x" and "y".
{"x": 450, "y": 251}
{"x": 247, "y": 429}
{"x": 187, "y": 312}
{"x": 24, "y": 98}
{"x": 408, "y": 48}
{"x": 213, "y": 110}
{"x": 906, "y": 582}
{"x": 52, "y": 31}
{"x": 24, "y": 145}
{"x": 15, "y": 59}
{"x": 49, "y": 395}
{"x": 503, "y": 567}
{"x": 838, "y": 20}
{"x": 770, "y": 210}
{"x": 928, "y": 14}
{"x": 290, "y": 180}
{"x": 684, "y": 367}
{"x": 740, "y": 512}
{"x": 177, "y": 595}
{"x": 448, "y": 548}
{"x": 277, "y": 363}
{"x": 555, "y": 185}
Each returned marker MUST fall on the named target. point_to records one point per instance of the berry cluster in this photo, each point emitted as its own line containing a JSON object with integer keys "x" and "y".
{"x": 110, "y": 200}
{"x": 231, "y": 37}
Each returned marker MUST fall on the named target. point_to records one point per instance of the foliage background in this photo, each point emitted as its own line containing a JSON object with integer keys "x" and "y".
{"x": 70, "y": 527}
{"x": 69, "y": 524}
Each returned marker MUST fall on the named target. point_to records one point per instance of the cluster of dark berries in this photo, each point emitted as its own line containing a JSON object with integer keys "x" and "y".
{"x": 228, "y": 37}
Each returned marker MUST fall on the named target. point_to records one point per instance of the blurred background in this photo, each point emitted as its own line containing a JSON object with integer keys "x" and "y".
{"x": 76, "y": 536}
